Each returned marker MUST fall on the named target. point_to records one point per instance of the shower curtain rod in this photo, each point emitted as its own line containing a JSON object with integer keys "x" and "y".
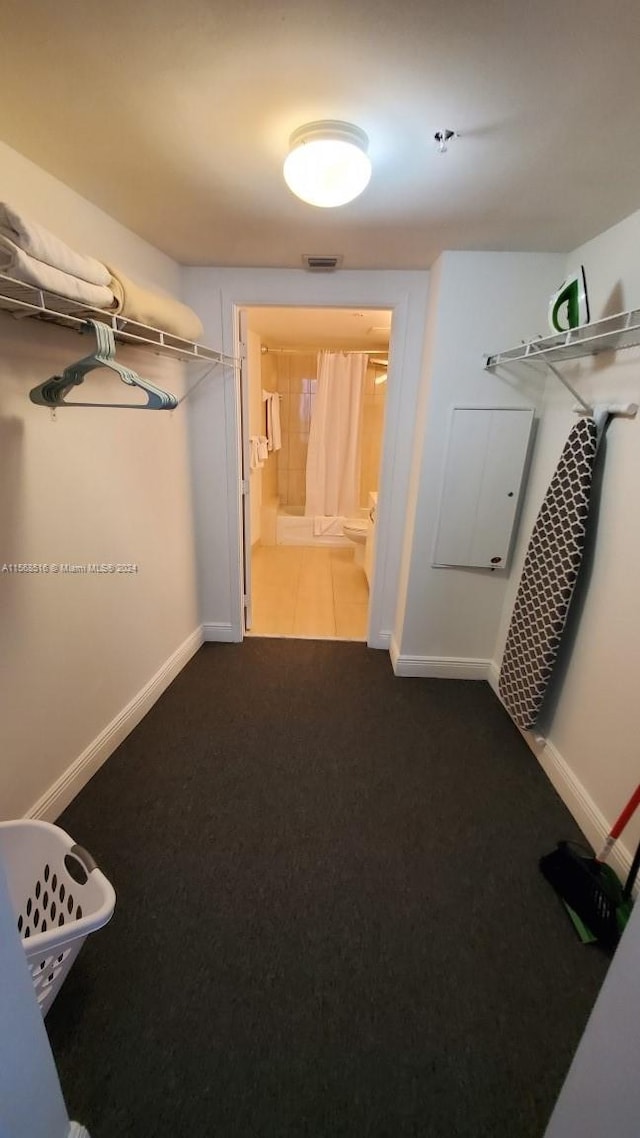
{"x": 308, "y": 351}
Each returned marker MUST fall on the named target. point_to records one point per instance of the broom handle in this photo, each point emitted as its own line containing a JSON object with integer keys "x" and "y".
{"x": 619, "y": 824}
{"x": 633, "y": 873}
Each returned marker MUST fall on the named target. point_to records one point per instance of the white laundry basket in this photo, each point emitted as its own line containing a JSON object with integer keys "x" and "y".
{"x": 59, "y": 896}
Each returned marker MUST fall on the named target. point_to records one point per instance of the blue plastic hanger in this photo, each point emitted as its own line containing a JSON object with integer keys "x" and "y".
{"x": 52, "y": 392}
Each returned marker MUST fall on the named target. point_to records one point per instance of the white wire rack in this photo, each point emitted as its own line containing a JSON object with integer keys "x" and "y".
{"x": 22, "y": 300}
{"x": 620, "y": 331}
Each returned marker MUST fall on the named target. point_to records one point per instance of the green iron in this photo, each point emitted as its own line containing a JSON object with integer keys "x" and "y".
{"x": 569, "y": 306}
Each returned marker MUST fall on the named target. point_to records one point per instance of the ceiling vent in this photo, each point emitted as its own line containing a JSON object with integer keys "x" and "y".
{"x": 321, "y": 263}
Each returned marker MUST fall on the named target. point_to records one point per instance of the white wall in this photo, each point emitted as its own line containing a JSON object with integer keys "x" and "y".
{"x": 95, "y": 486}
{"x": 447, "y": 619}
{"x": 592, "y": 748}
{"x": 601, "y": 1094}
{"x": 86, "y": 228}
{"x": 214, "y": 422}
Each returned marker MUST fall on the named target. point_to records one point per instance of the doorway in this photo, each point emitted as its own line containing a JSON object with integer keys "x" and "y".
{"x": 310, "y": 564}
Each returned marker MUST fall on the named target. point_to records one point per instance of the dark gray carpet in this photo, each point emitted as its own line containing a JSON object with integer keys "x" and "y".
{"x": 330, "y": 920}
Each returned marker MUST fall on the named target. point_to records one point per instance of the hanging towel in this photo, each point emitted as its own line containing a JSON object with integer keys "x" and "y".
{"x": 146, "y": 306}
{"x": 19, "y": 265}
{"x": 548, "y": 578}
{"x": 326, "y": 526}
{"x": 37, "y": 242}
{"x": 263, "y": 448}
{"x": 274, "y": 434}
{"x": 255, "y": 462}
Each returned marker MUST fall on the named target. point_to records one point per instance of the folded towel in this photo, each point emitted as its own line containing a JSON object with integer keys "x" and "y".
{"x": 263, "y": 448}
{"x": 37, "y": 242}
{"x": 18, "y": 264}
{"x": 146, "y": 306}
{"x": 327, "y": 526}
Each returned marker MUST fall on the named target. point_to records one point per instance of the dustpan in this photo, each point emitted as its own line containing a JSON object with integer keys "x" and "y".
{"x": 597, "y": 903}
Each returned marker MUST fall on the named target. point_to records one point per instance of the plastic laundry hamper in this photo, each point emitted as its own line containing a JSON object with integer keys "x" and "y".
{"x": 59, "y": 896}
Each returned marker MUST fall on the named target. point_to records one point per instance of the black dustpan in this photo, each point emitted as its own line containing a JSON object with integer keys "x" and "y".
{"x": 589, "y": 888}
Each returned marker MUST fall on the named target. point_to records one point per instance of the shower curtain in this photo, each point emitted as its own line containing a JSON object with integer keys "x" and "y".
{"x": 333, "y": 456}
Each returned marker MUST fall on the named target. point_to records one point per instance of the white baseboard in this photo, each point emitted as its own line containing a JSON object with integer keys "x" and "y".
{"x": 65, "y": 788}
{"x": 579, "y": 803}
{"x": 221, "y": 631}
{"x": 437, "y": 667}
{"x": 380, "y": 640}
{"x": 589, "y": 817}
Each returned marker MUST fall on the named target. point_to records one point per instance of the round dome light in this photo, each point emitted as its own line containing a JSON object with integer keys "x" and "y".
{"x": 327, "y": 164}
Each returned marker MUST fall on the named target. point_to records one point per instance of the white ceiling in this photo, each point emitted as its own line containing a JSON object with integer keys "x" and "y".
{"x": 175, "y": 117}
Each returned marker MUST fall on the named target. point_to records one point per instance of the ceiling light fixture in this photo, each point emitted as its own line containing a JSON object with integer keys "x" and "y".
{"x": 327, "y": 164}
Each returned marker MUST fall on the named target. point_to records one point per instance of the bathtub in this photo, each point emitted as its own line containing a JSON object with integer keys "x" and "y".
{"x": 292, "y": 528}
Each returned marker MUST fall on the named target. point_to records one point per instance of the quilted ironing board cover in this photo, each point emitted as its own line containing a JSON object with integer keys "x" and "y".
{"x": 548, "y": 578}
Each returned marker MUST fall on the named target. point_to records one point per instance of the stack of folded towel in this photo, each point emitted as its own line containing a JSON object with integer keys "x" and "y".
{"x": 30, "y": 253}
{"x": 146, "y": 306}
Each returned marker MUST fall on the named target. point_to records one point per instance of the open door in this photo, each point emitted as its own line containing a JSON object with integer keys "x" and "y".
{"x": 245, "y": 470}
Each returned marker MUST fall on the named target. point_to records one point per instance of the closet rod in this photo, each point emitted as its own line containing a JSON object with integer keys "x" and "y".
{"x": 309, "y": 351}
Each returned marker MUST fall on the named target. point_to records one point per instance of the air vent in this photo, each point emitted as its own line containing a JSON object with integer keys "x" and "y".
{"x": 321, "y": 263}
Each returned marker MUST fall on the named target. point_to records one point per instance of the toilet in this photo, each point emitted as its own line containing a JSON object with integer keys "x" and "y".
{"x": 356, "y": 530}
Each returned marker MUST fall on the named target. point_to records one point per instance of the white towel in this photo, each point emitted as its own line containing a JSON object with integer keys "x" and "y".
{"x": 254, "y": 456}
{"x": 274, "y": 434}
{"x": 326, "y": 526}
{"x": 263, "y": 448}
{"x": 39, "y": 243}
{"x": 148, "y": 306}
{"x": 19, "y": 265}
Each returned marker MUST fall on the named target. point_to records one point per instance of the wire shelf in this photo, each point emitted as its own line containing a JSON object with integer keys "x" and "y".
{"x": 21, "y": 300}
{"x": 620, "y": 331}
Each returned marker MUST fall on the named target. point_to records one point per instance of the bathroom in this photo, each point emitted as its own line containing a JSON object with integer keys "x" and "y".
{"x": 309, "y": 564}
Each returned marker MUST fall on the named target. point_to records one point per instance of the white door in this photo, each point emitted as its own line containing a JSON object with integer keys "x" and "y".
{"x": 245, "y": 470}
{"x": 485, "y": 465}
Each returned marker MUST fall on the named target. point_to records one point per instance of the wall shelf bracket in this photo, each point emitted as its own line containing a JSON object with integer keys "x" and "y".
{"x": 607, "y": 335}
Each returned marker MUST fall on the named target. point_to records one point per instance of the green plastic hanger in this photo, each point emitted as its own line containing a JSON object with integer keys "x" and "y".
{"x": 52, "y": 392}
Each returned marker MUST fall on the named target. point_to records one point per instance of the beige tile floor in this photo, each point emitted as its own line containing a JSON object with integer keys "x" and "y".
{"x": 300, "y": 591}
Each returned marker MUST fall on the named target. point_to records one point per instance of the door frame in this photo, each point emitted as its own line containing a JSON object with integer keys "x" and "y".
{"x": 405, "y": 294}
{"x": 245, "y": 469}
{"x": 243, "y": 326}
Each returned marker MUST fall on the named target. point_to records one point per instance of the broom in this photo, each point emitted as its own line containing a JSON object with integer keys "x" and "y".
{"x": 596, "y": 901}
